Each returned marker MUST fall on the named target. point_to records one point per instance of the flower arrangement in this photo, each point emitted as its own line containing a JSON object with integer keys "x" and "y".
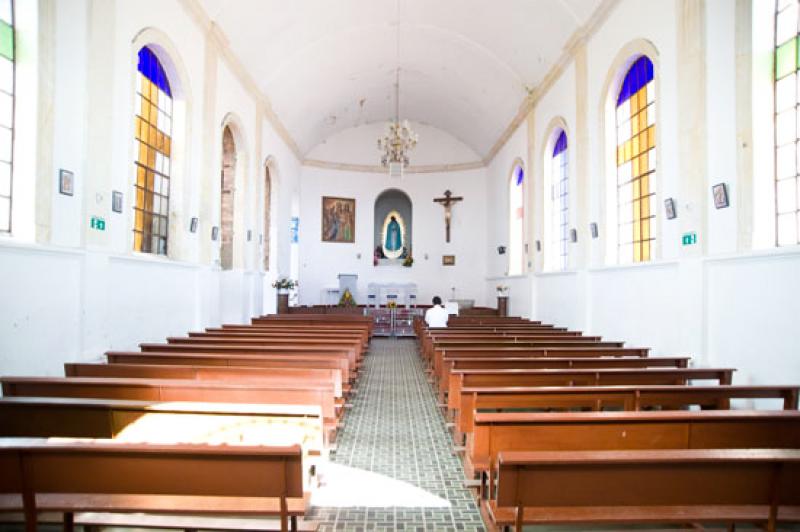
{"x": 502, "y": 289}
{"x": 391, "y": 304}
{"x": 347, "y": 299}
{"x": 284, "y": 283}
{"x": 408, "y": 261}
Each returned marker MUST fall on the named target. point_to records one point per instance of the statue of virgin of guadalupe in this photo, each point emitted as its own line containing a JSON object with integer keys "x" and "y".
{"x": 394, "y": 239}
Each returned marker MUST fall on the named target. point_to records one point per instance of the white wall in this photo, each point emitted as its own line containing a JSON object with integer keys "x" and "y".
{"x": 72, "y": 292}
{"x": 727, "y": 307}
{"x": 321, "y": 262}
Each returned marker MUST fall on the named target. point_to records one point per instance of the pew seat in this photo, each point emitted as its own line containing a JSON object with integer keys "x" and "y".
{"x": 101, "y": 476}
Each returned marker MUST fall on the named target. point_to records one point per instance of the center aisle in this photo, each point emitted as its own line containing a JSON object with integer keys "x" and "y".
{"x": 394, "y": 468}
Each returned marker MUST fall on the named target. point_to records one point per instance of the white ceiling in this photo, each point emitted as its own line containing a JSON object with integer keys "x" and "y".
{"x": 465, "y": 65}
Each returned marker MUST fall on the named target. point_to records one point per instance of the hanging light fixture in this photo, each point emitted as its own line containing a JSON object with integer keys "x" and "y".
{"x": 399, "y": 138}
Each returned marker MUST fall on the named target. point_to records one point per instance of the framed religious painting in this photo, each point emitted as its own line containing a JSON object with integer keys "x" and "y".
{"x": 338, "y": 219}
{"x": 448, "y": 260}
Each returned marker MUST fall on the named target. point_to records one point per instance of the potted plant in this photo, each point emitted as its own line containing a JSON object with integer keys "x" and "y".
{"x": 284, "y": 284}
{"x": 502, "y": 290}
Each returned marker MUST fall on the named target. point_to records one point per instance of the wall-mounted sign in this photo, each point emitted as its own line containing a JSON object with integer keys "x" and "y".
{"x": 689, "y": 239}
{"x": 97, "y": 223}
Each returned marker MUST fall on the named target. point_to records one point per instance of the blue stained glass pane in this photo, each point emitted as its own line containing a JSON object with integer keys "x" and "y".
{"x": 151, "y": 68}
{"x": 640, "y": 73}
{"x": 520, "y": 173}
{"x": 561, "y": 144}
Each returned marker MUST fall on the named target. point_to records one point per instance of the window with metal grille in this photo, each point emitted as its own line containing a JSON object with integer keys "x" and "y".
{"x": 787, "y": 121}
{"x": 153, "y": 131}
{"x": 559, "y": 182}
{"x": 7, "y": 82}
{"x": 636, "y": 163}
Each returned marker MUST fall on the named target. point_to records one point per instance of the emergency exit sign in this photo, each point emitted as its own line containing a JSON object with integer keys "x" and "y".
{"x": 689, "y": 239}
{"x": 98, "y": 223}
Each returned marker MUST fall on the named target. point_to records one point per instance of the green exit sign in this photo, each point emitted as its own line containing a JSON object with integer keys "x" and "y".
{"x": 98, "y": 223}
{"x": 689, "y": 239}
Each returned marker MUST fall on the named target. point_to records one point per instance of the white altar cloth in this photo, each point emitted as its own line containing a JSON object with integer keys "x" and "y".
{"x": 403, "y": 291}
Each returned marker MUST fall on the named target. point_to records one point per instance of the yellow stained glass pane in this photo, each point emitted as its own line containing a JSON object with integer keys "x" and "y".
{"x": 150, "y": 177}
{"x": 154, "y": 95}
{"x": 643, "y": 120}
{"x": 634, "y": 126}
{"x": 140, "y": 175}
{"x": 137, "y": 241}
{"x": 651, "y": 136}
{"x": 642, "y": 95}
{"x": 153, "y": 139}
{"x": 636, "y": 188}
{"x": 646, "y": 229}
{"x": 167, "y": 145}
{"x": 634, "y": 105}
{"x": 635, "y": 146}
{"x": 139, "y": 198}
{"x": 635, "y": 167}
{"x": 144, "y": 109}
{"x": 637, "y": 253}
{"x": 643, "y": 162}
{"x": 627, "y": 151}
{"x": 142, "y": 153}
{"x": 645, "y": 208}
{"x": 151, "y": 158}
{"x": 646, "y": 251}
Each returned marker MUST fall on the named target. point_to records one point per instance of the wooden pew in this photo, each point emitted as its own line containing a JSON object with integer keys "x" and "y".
{"x": 492, "y": 378}
{"x": 442, "y": 355}
{"x": 256, "y": 332}
{"x": 171, "y": 479}
{"x": 185, "y": 422}
{"x": 169, "y": 390}
{"x": 655, "y": 486}
{"x": 349, "y": 320}
{"x": 586, "y": 431}
{"x": 500, "y": 362}
{"x": 290, "y": 349}
{"x": 337, "y": 362}
{"x": 271, "y": 341}
{"x": 206, "y": 373}
{"x": 628, "y": 398}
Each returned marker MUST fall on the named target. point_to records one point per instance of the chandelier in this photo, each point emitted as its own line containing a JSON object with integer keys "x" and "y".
{"x": 399, "y": 138}
{"x": 396, "y": 143}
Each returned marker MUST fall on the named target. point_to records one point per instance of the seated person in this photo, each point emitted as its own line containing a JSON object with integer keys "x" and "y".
{"x": 436, "y": 316}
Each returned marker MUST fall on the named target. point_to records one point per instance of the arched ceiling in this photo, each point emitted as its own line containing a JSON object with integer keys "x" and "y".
{"x": 465, "y": 65}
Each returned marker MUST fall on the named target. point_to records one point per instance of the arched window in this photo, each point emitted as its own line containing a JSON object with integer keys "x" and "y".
{"x": 267, "y": 212}
{"x": 6, "y": 111}
{"x": 516, "y": 221}
{"x": 153, "y": 129}
{"x": 636, "y": 163}
{"x": 228, "y": 180}
{"x": 559, "y": 183}
{"x": 787, "y": 138}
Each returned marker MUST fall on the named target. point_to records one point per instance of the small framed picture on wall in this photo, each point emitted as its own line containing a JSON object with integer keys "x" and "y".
{"x": 116, "y": 201}
{"x": 720, "y": 192}
{"x": 669, "y": 208}
{"x": 66, "y": 182}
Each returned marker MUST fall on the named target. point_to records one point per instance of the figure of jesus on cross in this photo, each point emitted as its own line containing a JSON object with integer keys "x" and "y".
{"x": 447, "y": 202}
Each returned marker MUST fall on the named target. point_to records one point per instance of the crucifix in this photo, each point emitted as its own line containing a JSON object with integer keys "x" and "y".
{"x": 447, "y": 202}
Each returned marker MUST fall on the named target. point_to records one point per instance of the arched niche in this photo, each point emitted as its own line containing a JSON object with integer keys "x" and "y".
{"x": 393, "y": 203}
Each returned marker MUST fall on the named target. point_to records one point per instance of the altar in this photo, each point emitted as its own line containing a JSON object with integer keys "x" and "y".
{"x": 404, "y": 294}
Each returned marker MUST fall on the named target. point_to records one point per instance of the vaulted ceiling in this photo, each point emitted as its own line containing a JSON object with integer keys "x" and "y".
{"x": 465, "y": 65}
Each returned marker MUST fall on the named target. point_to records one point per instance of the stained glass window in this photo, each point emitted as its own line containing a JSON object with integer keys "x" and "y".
{"x": 559, "y": 183}
{"x": 6, "y": 110}
{"x": 787, "y": 122}
{"x": 636, "y": 163}
{"x": 153, "y": 130}
{"x": 516, "y": 242}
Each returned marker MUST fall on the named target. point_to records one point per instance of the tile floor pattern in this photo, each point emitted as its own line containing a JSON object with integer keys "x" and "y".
{"x": 396, "y": 430}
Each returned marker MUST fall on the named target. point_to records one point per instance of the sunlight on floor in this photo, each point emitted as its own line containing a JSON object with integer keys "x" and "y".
{"x": 342, "y": 486}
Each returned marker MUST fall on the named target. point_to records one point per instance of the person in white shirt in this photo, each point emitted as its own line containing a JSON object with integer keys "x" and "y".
{"x": 436, "y": 316}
